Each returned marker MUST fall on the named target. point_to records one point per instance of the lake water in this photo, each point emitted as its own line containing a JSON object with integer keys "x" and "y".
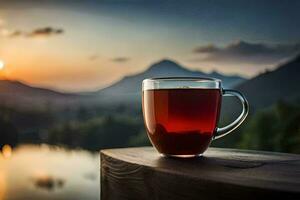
{"x": 48, "y": 172}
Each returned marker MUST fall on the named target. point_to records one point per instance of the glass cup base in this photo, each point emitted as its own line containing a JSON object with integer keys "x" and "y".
{"x": 181, "y": 156}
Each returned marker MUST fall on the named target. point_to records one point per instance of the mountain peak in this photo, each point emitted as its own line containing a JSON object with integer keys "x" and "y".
{"x": 166, "y": 62}
{"x": 165, "y": 65}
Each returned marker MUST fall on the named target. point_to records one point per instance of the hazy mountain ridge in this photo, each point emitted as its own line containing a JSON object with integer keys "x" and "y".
{"x": 11, "y": 87}
{"x": 18, "y": 93}
{"x": 129, "y": 88}
{"x": 270, "y": 87}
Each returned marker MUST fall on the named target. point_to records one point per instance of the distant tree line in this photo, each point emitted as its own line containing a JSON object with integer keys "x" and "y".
{"x": 276, "y": 128}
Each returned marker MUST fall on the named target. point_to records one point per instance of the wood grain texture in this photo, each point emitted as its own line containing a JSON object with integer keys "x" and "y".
{"x": 141, "y": 173}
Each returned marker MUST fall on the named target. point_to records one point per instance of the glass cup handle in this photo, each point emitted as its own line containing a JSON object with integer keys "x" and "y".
{"x": 221, "y": 132}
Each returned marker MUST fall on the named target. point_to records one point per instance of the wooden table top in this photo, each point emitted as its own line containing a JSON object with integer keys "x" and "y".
{"x": 247, "y": 171}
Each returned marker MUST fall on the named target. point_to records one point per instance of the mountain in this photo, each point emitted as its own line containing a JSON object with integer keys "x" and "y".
{"x": 261, "y": 91}
{"x": 280, "y": 84}
{"x": 128, "y": 89}
{"x": 18, "y": 93}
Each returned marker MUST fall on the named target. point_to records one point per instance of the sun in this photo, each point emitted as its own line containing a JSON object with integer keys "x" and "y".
{"x": 1, "y": 65}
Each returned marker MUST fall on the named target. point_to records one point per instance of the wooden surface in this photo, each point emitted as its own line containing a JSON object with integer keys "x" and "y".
{"x": 141, "y": 173}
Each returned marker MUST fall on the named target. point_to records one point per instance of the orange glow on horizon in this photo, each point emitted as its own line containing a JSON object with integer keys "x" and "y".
{"x": 2, "y": 65}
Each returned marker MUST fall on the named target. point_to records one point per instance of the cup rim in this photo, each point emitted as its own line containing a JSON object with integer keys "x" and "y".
{"x": 184, "y": 78}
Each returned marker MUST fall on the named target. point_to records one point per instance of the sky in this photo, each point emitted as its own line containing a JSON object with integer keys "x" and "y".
{"x": 86, "y": 45}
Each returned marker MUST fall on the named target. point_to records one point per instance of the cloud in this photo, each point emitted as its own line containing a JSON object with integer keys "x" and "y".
{"x": 45, "y": 32}
{"x": 206, "y": 49}
{"x": 246, "y": 52}
{"x": 120, "y": 59}
{"x": 39, "y": 32}
{"x": 8, "y": 33}
{"x": 93, "y": 57}
{"x": 15, "y": 33}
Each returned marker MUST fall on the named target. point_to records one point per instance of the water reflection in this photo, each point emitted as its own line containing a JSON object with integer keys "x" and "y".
{"x": 48, "y": 182}
{"x": 6, "y": 151}
{"x": 48, "y": 172}
{"x": 2, "y": 186}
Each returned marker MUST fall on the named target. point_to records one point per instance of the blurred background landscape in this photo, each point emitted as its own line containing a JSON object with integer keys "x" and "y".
{"x": 71, "y": 73}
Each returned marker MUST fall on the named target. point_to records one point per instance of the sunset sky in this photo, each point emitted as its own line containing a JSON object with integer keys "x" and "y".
{"x": 86, "y": 45}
